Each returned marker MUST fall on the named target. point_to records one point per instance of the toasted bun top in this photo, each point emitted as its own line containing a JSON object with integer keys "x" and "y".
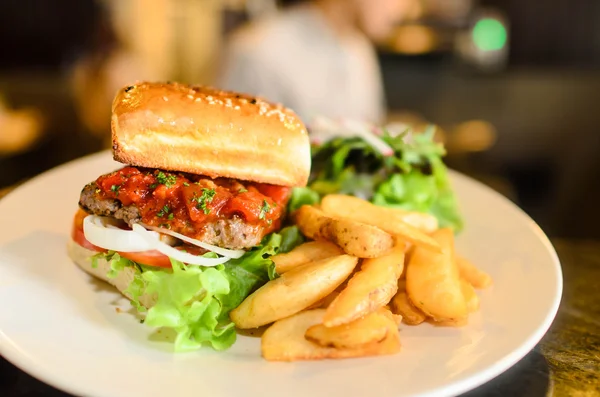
{"x": 202, "y": 130}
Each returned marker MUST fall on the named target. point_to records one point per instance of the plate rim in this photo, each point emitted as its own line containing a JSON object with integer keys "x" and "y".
{"x": 11, "y": 352}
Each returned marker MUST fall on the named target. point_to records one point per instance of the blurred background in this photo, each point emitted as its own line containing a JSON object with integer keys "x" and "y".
{"x": 514, "y": 85}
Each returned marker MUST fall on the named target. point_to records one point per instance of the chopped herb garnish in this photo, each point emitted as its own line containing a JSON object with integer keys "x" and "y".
{"x": 207, "y": 197}
{"x": 168, "y": 181}
{"x": 165, "y": 225}
{"x": 115, "y": 189}
{"x": 264, "y": 209}
{"x": 164, "y": 211}
{"x": 153, "y": 186}
{"x": 242, "y": 190}
{"x": 170, "y": 217}
{"x": 186, "y": 184}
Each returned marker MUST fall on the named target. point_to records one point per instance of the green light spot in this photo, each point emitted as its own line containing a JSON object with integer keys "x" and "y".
{"x": 489, "y": 34}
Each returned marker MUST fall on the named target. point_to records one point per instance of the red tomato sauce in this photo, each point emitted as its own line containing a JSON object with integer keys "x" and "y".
{"x": 186, "y": 203}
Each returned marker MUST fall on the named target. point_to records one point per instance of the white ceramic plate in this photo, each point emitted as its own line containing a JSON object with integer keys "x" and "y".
{"x": 68, "y": 330}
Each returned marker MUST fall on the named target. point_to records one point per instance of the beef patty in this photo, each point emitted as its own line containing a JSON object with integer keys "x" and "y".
{"x": 231, "y": 233}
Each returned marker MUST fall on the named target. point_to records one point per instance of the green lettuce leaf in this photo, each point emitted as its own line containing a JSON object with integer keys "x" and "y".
{"x": 290, "y": 238}
{"x": 195, "y": 301}
{"x": 302, "y": 196}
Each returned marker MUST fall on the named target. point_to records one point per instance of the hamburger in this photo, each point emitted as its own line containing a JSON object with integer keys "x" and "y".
{"x": 186, "y": 227}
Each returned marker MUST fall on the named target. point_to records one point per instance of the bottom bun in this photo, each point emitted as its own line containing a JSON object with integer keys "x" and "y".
{"x": 82, "y": 258}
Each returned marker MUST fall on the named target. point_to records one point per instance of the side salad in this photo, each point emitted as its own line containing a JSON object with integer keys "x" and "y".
{"x": 401, "y": 171}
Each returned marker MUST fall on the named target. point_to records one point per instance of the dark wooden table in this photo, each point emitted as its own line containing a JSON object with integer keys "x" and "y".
{"x": 565, "y": 363}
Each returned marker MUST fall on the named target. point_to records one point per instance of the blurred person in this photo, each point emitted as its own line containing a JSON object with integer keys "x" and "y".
{"x": 316, "y": 57}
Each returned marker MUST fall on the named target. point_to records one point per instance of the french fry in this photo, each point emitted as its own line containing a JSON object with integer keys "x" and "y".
{"x": 347, "y": 207}
{"x": 355, "y": 238}
{"x": 343, "y": 206}
{"x": 410, "y": 315}
{"x": 293, "y": 291}
{"x": 369, "y": 329}
{"x": 369, "y": 289}
{"x": 471, "y": 297}
{"x": 476, "y": 277}
{"x": 304, "y": 253}
{"x": 285, "y": 341}
{"x": 433, "y": 282}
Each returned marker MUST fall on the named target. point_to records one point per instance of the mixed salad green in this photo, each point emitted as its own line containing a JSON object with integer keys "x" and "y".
{"x": 413, "y": 177}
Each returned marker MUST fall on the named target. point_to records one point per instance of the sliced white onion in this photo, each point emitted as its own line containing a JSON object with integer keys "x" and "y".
{"x": 221, "y": 251}
{"x": 153, "y": 239}
{"x": 98, "y": 231}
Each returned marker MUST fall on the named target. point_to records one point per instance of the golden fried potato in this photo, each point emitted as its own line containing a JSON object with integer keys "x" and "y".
{"x": 285, "y": 341}
{"x": 293, "y": 291}
{"x": 396, "y": 318}
{"x": 477, "y": 278}
{"x": 353, "y": 208}
{"x": 470, "y": 295}
{"x": 325, "y": 302}
{"x": 433, "y": 282}
{"x": 371, "y": 328}
{"x": 410, "y": 315}
{"x": 344, "y": 206}
{"x": 369, "y": 289}
{"x": 355, "y": 238}
{"x": 304, "y": 253}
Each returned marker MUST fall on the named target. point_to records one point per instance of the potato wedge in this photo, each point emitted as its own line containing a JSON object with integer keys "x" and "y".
{"x": 344, "y": 206}
{"x": 433, "y": 282}
{"x": 396, "y": 318}
{"x": 325, "y": 302}
{"x": 477, "y": 278}
{"x": 369, "y": 289}
{"x": 410, "y": 315}
{"x": 304, "y": 253}
{"x": 353, "y": 208}
{"x": 355, "y": 238}
{"x": 285, "y": 341}
{"x": 293, "y": 291}
{"x": 369, "y": 329}
{"x": 470, "y": 295}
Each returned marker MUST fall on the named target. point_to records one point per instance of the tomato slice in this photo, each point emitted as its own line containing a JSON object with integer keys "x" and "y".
{"x": 148, "y": 258}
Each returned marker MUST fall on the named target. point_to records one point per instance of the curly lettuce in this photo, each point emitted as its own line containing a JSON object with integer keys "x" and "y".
{"x": 414, "y": 178}
{"x": 195, "y": 301}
